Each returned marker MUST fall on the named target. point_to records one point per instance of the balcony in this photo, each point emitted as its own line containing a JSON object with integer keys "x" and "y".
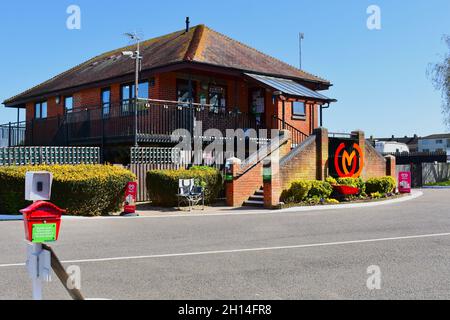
{"x": 156, "y": 122}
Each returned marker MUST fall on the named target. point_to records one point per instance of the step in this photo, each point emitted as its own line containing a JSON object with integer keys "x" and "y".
{"x": 259, "y": 193}
{"x": 257, "y": 197}
{"x": 254, "y": 203}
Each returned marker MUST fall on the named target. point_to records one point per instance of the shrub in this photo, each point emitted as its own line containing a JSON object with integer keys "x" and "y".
{"x": 381, "y": 185}
{"x": 331, "y": 180}
{"x": 297, "y": 192}
{"x": 306, "y": 190}
{"x": 320, "y": 189}
{"x": 376, "y": 195}
{"x": 162, "y": 185}
{"x": 332, "y": 201}
{"x": 88, "y": 190}
{"x": 353, "y": 182}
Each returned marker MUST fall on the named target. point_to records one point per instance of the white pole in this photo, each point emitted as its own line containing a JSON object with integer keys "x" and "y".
{"x": 37, "y": 282}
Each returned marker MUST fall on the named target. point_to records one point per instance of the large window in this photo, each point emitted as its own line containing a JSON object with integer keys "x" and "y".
{"x": 217, "y": 96}
{"x": 106, "y": 101}
{"x": 40, "y": 110}
{"x": 184, "y": 93}
{"x": 68, "y": 104}
{"x": 128, "y": 94}
{"x": 298, "y": 109}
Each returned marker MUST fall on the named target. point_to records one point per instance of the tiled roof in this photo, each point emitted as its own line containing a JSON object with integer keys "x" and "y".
{"x": 200, "y": 44}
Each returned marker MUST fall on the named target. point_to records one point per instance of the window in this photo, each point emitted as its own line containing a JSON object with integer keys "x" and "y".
{"x": 128, "y": 94}
{"x": 40, "y": 110}
{"x": 439, "y": 141}
{"x": 106, "y": 101}
{"x": 68, "y": 103}
{"x": 298, "y": 109}
{"x": 217, "y": 96}
{"x": 183, "y": 92}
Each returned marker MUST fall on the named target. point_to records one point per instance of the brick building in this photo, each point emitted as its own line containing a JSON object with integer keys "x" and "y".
{"x": 196, "y": 73}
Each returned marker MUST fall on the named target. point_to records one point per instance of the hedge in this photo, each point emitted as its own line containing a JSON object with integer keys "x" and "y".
{"x": 381, "y": 185}
{"x": 162, "y": 185}
{"x": 302, "y": 190}
{"x": 83, "y": 190}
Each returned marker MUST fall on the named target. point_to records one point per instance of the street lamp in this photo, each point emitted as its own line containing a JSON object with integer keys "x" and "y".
{"x": 138, "y": 58}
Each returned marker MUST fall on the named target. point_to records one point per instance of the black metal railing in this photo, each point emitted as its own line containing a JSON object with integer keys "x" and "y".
{"x": 12, "y": 134}
{"x": 297, "y": 136}
{"x": 157, "y": 120}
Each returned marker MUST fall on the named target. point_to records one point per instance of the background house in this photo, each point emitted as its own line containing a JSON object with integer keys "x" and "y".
{"x": 436, "y": 143}
{"x": 411, "y": 142}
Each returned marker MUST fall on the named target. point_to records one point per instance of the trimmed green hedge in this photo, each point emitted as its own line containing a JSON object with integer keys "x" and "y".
{"x": 302, "y": 190}
{"x": 381, "y": 185}
{"x": 83, "y": 190}
{"x": 162, "y": 185}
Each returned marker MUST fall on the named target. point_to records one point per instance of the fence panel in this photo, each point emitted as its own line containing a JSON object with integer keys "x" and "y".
{"x": 435, "y": 172}
{"x": 144, "y": 159}
{"x": 20, "y": 156}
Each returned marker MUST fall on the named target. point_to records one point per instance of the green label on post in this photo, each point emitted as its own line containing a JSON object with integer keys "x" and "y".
{"x": 44, "y": 232}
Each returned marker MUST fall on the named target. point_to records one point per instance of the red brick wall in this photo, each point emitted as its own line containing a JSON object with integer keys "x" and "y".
{"x": 244, "y": 186}
{"x": 166, "y": 86}
{"x": 88, "y": 98}
{"x": 375, "y": 164}
{"x": 303, "y": 165}
{"x": 306, "y": 125}
{"x": 53, "y": 109}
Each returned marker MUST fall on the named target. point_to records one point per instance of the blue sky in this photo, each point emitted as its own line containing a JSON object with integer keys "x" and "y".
{"x": 379, "y": 76}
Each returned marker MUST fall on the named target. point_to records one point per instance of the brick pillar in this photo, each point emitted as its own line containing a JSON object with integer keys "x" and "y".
{"x": 361, "y": 140}
{"x": 272, "y": 187}
{"x": 391, "y": 163}
{"x": 322, "y": 153}
{"x": 233, "y": 167}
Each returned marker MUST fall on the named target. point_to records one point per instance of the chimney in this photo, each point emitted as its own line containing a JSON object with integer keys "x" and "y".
{"x": 187, "y": 24}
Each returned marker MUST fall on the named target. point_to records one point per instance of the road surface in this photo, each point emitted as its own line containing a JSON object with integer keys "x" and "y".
{"x": 295, "y": 255}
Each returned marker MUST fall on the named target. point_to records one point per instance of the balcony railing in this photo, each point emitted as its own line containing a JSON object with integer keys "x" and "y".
{"x": 12, "y": 134}
{"x": 157, "y": 120}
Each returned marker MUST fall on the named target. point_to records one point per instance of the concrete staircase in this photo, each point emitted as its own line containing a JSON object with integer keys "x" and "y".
{"x": 256, "y": 200}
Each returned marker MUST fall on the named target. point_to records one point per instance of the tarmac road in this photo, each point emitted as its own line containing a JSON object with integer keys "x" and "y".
{"x": 294, "y": 255}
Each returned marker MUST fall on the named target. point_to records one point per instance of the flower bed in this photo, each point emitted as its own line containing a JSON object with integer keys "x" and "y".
{"x": 332, "y": 191}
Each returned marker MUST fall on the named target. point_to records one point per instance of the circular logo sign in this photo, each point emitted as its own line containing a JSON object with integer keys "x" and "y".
{"x": 348, "y": 168}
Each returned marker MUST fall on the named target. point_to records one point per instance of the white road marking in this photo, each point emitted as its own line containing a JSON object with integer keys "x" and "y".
{"x": 302, "y": 246}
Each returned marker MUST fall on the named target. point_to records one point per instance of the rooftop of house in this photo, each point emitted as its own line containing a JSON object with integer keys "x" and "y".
{"x": 406, "y": 140}
{"x": 437, "y": 136}
{"x": 199, "y": 44}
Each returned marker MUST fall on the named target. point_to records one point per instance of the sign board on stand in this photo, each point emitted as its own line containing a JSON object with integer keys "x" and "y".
{"x": 130, "y": 199}
{"x": 404, "y": 182}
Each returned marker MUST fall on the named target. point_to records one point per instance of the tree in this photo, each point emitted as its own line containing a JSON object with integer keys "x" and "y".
{"x": 440, "y": 76}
